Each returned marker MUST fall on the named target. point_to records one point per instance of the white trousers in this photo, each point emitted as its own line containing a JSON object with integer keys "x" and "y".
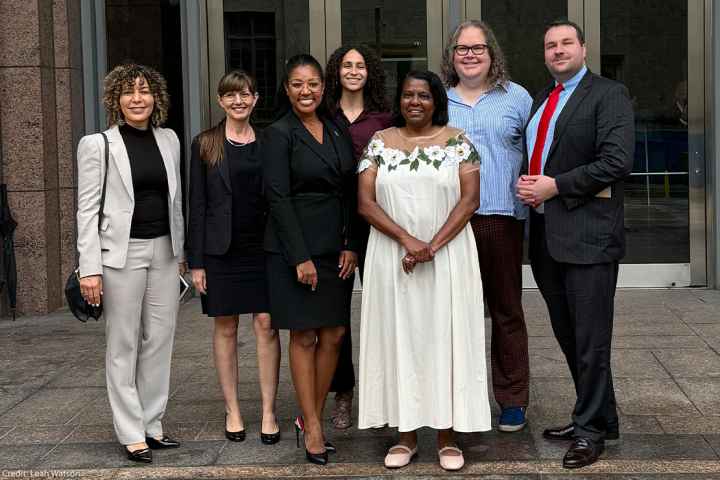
{"x": 140, "y": 305}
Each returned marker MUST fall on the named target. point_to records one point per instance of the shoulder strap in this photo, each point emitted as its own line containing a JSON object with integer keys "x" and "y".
{"x": 102, "y": 195}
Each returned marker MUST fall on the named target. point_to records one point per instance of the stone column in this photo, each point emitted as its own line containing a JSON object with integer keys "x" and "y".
{"x": 40, "y": 122}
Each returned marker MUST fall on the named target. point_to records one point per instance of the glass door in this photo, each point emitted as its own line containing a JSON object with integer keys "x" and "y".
{"x": 259, "y": 36}
{"x": 657, "y": 51}
{"x": 652, "y": 49}
{"x": 397, "y": 30}
{"x": 519, "y": 26}
{"x": 407, "y": 34}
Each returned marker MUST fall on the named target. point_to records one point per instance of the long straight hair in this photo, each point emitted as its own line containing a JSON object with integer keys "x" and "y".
{"x": 212, "y": 140}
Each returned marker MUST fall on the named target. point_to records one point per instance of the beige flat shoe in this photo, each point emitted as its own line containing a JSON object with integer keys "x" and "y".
{"x": 399, "y": 456}
{"x": 451, "y": 462}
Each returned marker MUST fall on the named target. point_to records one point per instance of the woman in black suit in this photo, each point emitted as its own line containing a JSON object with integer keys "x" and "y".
{"x": 226, "y": 227}
{"x": 311, "y": 187}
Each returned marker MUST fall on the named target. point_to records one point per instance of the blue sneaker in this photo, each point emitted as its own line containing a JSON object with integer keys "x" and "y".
{"x": 512, "y": 419}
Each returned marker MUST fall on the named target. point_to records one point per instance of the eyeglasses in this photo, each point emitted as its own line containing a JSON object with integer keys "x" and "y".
{"x": 463, "y": 50}
{"x": 312, "y": 85}
{"x": 244, "y": 96}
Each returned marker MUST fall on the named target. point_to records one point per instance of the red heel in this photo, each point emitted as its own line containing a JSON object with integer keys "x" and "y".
{"x": 299, "y": 427}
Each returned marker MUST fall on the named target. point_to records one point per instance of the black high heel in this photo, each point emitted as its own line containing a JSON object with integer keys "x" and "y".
{"x": 164, "y": 442}
{"x": 270, "y": 438}
{"x": 238, "y": 436}
{"x": 300, "y": 427}
{"x": 143, "y": 455}
{"x": 316, "y": 458}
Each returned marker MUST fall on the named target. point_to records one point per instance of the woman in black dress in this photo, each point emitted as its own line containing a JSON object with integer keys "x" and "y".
{"x": 311, "y": 186}
{"x": 226, "y": 258}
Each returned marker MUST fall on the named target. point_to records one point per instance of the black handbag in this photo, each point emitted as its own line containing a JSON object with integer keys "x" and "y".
{"x": 77, "y": 304}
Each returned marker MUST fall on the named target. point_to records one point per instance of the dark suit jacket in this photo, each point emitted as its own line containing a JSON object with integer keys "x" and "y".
{"x": 210, "y": 211}
{"x": 592, "y": 149}
{"x": 312, "y": 198}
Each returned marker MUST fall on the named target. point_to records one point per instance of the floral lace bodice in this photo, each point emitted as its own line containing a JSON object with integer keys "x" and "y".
{"x": 389, "y": 149}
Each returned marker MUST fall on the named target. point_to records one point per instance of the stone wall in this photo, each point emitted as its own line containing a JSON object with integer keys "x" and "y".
{"x": 41, "y": 120}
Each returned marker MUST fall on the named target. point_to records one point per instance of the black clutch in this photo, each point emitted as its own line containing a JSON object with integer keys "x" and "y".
{"x": 77, "y": 304}
{"x": 82, "y": 310}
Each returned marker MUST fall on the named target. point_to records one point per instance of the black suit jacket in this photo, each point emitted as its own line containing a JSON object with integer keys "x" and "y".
{"x": 312, "y": 198}
{"x": 210, "y": 210}
{"x": 592, "y": 149}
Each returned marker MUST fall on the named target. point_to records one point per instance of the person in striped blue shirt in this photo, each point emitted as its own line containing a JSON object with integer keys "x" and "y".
{"x": 493, "y": 112}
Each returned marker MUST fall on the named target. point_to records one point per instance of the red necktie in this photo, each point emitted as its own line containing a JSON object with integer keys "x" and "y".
{"x": 536, "y": 158}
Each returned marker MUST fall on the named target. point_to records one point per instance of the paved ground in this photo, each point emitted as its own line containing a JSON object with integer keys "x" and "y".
{"x": 55, "y": 419}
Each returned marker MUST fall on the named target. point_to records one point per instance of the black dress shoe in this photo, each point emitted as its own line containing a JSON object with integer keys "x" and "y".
{"x": 559, "y": 433}
{"x": 317, "y": 458}
{"x": 330, "y": 448}
{"x": 582, "y": 452}
{"x": 568, "y": 432}
{"x": 144, "y": 455}
{"x": 270, "y": 438}
{"x": 238, "y": 436}
{"x": 164, "y": 442}
{"x": 235, "y": 436}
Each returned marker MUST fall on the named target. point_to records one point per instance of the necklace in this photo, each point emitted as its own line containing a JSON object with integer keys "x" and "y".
{"x": 249, "y": 136}
{"x": 236, "y": 144}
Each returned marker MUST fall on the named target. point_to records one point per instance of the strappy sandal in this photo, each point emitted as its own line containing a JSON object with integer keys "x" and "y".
{"x": 451, "y": 462}
{"x": 400, "y": 458}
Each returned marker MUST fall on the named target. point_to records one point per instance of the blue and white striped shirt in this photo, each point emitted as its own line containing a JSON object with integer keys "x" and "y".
{"x": 495, "y": 126}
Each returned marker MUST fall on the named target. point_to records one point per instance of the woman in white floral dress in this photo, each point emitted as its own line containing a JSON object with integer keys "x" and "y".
{"x": 422, "y": 348}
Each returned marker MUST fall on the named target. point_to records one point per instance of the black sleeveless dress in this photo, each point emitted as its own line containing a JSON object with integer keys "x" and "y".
{"x": 236, "y": 281}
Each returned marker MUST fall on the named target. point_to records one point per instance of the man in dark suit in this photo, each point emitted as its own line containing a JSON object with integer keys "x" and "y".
{"x": 579, "y": 148}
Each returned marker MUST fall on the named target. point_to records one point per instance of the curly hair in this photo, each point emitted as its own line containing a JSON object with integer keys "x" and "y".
{"x": 123, "y": 77}
{"x": 498, "y": 73}
{"x": 374, "y": 89}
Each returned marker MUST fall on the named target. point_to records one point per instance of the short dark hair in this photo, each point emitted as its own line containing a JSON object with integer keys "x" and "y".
{"x": 437, "y": 90}
{"x": 564, "y": 22}
{"x": 282, "y": 102}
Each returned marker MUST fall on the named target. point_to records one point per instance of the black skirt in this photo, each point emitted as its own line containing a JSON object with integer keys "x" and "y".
{"x": 294, "y": 306}
{"x": 236, "y": 283}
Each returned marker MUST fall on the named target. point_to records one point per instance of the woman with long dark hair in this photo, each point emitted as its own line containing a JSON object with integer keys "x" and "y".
{"x": 227, "y": 261}
{"x": 311, "y": 187}
{"x": 355, "y": 97}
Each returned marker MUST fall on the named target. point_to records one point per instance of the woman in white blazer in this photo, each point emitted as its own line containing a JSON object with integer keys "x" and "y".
{"x": 130, "y": 260}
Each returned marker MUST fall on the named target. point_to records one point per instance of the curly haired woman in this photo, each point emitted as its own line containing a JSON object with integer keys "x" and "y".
{"x": 129, "y": 258}
{"x": 355, "y": 96}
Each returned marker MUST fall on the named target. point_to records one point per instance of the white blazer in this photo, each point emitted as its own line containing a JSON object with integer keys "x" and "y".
{"x": 108, "y": 245}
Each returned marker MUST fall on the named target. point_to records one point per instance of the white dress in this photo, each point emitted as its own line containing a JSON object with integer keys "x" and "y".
{"x": 422, "y": 345}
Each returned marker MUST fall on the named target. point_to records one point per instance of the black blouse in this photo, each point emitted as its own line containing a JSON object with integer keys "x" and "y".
{"x": 151, "y": 218}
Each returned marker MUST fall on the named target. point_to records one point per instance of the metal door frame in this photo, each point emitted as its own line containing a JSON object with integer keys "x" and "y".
{"x": 443, "y": 16}
{"x": 694, "y": 273}
{"x": 439, "y": 13}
